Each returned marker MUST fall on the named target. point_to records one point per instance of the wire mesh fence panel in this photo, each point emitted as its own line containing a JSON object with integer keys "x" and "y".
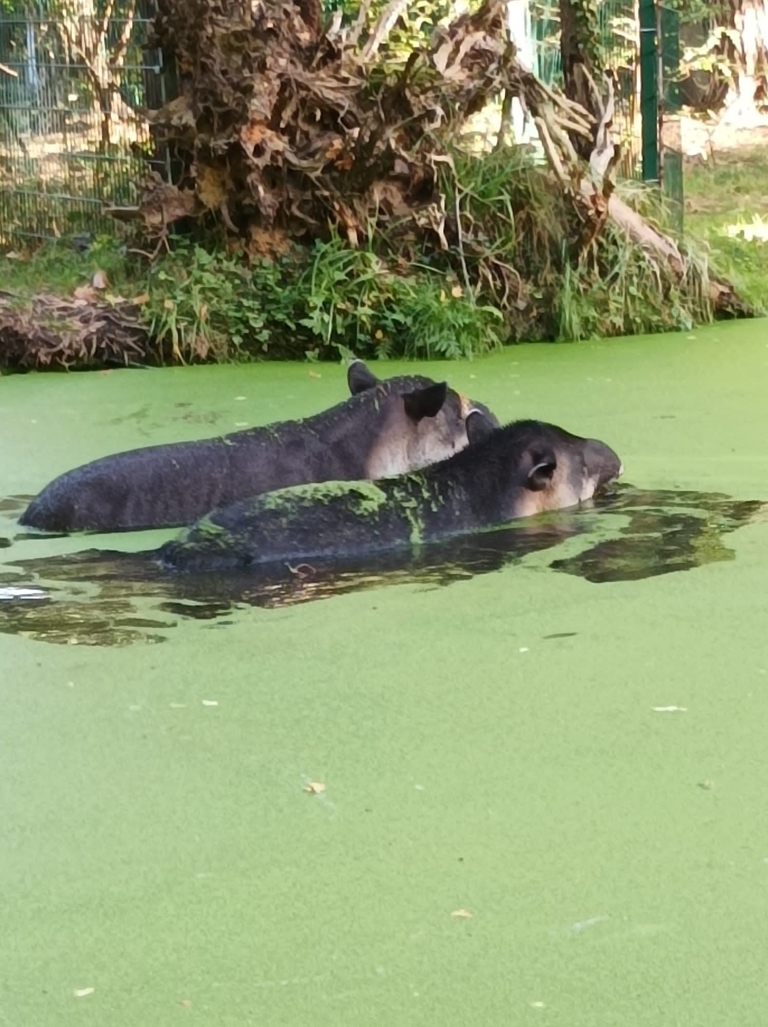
{"x": 672, "y": 178}
{"x": 75, "y": 77}
{"x": 619, "y": 42}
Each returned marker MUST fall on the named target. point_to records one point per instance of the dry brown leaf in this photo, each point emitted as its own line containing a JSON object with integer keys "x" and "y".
{"x": 142, "y": 299}
{"x": 86, "y": 294}
{"x": 213, "y": 185}
{"x": 268, "y": 242}
{"x": 334, "y": 149}
{"x": 457, "y": 292}
{"x": 388, "y": 197}
{"x": 176, "y": 112}
{"x": 345, "y": 162}
{"x": 99, "y": 279}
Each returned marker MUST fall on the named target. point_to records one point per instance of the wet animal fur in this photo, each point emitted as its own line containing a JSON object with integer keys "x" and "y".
{"x": 384, "y": 427}
{"x": 524, "y": 468}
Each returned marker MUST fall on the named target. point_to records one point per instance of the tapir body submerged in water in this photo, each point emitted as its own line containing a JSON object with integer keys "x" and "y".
{"x": 526, "y": 468}
{"x": 384, "y": 428}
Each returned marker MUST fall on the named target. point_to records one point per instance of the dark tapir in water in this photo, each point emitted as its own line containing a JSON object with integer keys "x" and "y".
{"x": 385, "y": 427}
{"x": 523, "y": 469}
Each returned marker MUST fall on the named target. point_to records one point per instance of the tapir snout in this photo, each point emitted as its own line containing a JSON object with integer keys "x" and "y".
{"x": 602, "y": 463}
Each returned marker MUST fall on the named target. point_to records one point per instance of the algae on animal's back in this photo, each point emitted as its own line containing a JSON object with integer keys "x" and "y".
{"x": 365, "y": 497}
{"x": 207, "y": 529}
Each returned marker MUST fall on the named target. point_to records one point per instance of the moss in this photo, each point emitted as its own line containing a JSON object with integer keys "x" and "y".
{"x": 410, "y": 506}
{"x": 204, "y": 532}
{"x": 363, "y": 497}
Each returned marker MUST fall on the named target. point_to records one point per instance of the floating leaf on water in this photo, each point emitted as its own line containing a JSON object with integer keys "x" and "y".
{"x": 10, "y": 593}
{"x": 669, "y": 709}
{"x": 314, "y": 787}
{"x": 210, "y": 702}
{"x": 82, "y": 992}
{"x": 462, "y": 914}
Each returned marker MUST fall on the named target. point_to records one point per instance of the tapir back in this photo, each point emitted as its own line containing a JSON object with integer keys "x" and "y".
{"x": 175, "y": 484}
{"x": 527, "y": 468}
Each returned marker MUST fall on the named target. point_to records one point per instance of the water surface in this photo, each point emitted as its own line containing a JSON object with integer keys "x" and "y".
{"x": 560, "y": 731}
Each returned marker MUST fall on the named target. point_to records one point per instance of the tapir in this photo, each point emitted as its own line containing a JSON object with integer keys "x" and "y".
{"x": 523, "y": 469}
{"x": 384, "y": 428}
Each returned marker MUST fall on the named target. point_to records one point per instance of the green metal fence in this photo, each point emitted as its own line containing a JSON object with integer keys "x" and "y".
{"x": 72, "y": 135}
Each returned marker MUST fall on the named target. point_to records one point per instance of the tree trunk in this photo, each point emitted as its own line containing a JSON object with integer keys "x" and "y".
{"x": 580, "y": 52}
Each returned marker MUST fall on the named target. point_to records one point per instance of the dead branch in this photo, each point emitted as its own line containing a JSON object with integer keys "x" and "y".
{"x": 50, "y": 332}
{"x": 382, "y": 29}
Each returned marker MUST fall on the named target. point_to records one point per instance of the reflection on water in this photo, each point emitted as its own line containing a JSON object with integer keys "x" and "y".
{"x": 14, "y": 505}
{"x": 665, "y": 531}
{"x": 109, "y": 598}
{"x": 72, "y": 616}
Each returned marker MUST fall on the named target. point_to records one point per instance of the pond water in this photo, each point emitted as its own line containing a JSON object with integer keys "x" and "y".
{"x": 522, "y": 780}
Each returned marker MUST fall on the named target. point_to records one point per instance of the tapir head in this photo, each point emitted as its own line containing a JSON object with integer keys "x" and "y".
{"x": 543, "y": 467}
{"x": 422, "y": 422}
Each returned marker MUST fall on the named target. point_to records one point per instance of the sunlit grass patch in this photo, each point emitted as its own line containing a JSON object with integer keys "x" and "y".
{"x": 726, "y": 207}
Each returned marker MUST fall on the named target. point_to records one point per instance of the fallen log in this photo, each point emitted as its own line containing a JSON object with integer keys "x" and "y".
{"x": 47, "y": 332}
{"x": 722, "y": 296}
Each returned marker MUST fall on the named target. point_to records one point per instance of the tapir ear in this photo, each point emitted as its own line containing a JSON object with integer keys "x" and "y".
{"x": 426, "y": 402}
{"x": 359, "y": 378}
{"x": 478, "y": 426}
{"x": 540, "y": 475}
